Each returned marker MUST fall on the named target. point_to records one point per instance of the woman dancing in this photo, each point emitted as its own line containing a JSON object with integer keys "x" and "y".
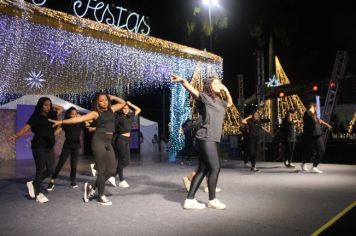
{"x": 208, "y": 135}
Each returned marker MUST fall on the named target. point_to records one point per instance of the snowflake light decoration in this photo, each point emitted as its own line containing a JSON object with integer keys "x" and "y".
{"x": 273, "y": 82}
{"x": 57, "y": 51}
{"x": 35, "y": 79}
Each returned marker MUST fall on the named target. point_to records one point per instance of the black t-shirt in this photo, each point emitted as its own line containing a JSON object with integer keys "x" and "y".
{"x": 72, "y": 134}
{"x": 213, "y": 114}
{"x": 288, "y": 130}
{"x": 253, "y": 128}
{"x": 105, "y": 122}
{"x": 311, "y": 124}
{"x": 123, "y": 123}
{"x": 43, "y": 130}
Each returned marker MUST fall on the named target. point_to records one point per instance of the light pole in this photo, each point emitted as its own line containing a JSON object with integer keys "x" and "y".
{"x": 210, "y": 4}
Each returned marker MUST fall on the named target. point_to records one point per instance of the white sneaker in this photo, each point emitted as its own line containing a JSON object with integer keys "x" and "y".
{"x": 215, "y": 203}
{"x": 88, "y": 192}
{"x": 246, "y": 165}
{"x": 193, "y": 204}
{"x": 112, "y": 181}
{"x": 291, "y": 165}
{"x": 217, "y": 190}
{"x": 186, "y": 183}
{"x": 104, "y": 201}
{"x": 93, "y": 170}
{"x": 304, "y": 167}
{"x": 41, "y": 198}
{"x": 30, "y": 188}
{"x": 124, "y": 184}
{"x": 316, "y": 170}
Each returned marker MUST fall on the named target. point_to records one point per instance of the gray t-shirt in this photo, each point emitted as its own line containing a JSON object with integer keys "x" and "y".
{"x": 213, "y": 114}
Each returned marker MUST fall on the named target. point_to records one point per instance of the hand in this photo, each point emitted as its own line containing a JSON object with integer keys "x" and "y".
{"x": 55, "y": 122}
{"x": 12, "y": 138}
{"x": 176, "y": 78}
{"x": 223, "y": 87}
{"x": 91, "y": 129}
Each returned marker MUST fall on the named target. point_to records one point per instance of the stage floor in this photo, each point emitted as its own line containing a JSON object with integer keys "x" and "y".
{"x": 276, "y": 201}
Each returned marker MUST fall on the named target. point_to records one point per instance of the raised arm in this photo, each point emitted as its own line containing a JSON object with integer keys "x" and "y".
{"x": 228, "y": 96}
{"x": 244, "y": 121}
{"x": 186, "y": 85}
{"x": 58, "y": 108}
{"x": 119, "y": 105}
{"x": 19, "y": 133}
{"x": 136, "y": 109}
{"x": 78, "y": 119}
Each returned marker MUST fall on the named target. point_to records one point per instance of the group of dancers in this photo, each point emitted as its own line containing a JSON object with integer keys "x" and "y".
{"x": 110, "y": 141}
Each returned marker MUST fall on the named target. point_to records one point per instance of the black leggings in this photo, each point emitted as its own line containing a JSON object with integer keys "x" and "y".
{"x": 288, "y": 151}
{"x": 104, "y": 158}
{"x": 254, "y": 149}
{"x": 122, "y": 151}
{"x": 66, "y": 151}
{"x": 314, "y": 149}
{"x": 44, "y": 160}
{"x": 209, "y": 166}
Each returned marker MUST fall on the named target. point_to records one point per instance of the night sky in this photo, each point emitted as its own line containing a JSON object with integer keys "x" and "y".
{"x": 306, "y": 35}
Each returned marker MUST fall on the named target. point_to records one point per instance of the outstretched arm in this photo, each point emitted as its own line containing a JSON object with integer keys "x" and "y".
{"x": 134, "y": 107}
{"x": 186, "y": 85}
{"x": 78, "y": 119}
{"x": 325, "y": 124}
{"x": 19, "y": 133}
{"x": 119, "y": 105}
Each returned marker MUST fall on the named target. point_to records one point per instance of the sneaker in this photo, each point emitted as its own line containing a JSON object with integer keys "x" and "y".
{"x": 217, "y": 190}
{"x": 193, "y": 204}
{"x": 186, "y": 183}
{"x": 215, "y": 203}
{"x": 304, "y": 167}
{"x": 93, "y": 170}
{"x": 246, "y": 165}
{"x": 104, "y": 201}
{"x": 41, "y": 198}
{"x": 73, "y": 185}
{"x": 124, "y": 184}
{"x": 316, "y": 170}
{"x": 88, "y": 192}
{"x": 254, "y": 169}
{"x": 286, "y": 163}
{"x": 30, "y": 188}
{"x": 112, "y": 181}
{"x": 50, "y": 186}
{"x": 291, "y": 165}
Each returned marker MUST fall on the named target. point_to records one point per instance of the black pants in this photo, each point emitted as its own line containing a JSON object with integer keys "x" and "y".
{"x": 122, "y": 152}
{"x": 104, "y": 158}
{"x": 209, "y": 165}
{"x": 245, "y": 150}
{"x": 73, "y": 151}
{"x": 254, "y": 149}
{"x": 44, "y": 160}
{"x": 314, "y": 149}
{"x": 288, "y": 151}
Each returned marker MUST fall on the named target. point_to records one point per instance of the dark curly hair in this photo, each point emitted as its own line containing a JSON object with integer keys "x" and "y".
{"x": 67, "y": 114}
{"x": 39, "y": 107}
{"x": 207, "y": 87}
{"x": 95, "y": 103}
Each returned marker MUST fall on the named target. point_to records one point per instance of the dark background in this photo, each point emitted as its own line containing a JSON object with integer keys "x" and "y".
{"x": 306, "y": 35}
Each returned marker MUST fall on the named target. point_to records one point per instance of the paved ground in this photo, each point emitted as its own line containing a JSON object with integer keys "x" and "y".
{"x": 277, "y": 201}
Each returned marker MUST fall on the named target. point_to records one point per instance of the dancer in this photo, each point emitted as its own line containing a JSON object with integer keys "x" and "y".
{"x": 104, "y": 156}
{"x": 252, "y": 138}
{"x": 208, "y": 136}
{"x": 312, "y": 138}
{"x": 70, "y": 148}
{"x": 121, "y": 141}
{"x": 41, "y": 144}
{"x": 288, "y": 138}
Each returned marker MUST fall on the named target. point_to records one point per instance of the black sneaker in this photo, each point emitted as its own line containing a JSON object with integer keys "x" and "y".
{"x": 74, "y": 185}
{"x": 50, "y": 186}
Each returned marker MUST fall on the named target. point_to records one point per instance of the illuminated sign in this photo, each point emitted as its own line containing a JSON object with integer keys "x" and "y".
{"x": 119, "y": 17}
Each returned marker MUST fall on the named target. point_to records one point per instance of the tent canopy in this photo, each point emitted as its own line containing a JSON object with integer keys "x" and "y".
{"x": 32, "y": 100}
